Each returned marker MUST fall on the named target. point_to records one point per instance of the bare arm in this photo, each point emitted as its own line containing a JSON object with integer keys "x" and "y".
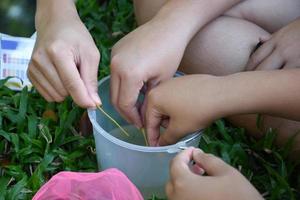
{"x": 267, "y": 92}
{"x": 201, "y": 99}
{"x": 190, "y": 14}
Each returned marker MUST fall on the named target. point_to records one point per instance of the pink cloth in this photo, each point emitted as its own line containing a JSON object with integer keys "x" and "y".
{"x": 110, "y": 184}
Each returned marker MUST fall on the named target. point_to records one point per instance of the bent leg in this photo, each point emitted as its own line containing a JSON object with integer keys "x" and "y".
{"x": 270, "y": 15}
{"x": 222, "y": 47}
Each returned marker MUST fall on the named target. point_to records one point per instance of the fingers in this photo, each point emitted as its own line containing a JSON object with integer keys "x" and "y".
{"x": 259, "y": 55}
{"x": 165, "y": 122}
{"x": 40, "y": 89}
{"x": 127, "y": 82}
{"x": 127, "y": 99}
{"x": 264, "y": 38}
{"x": 70, "y": 76}
{"x": 212, "y": 165}
{"x": 41, "y": 62}
{"x": 272, "y": 62}
{"x": 171, "y": 135}
{"x": 89, "y": 74}
{"x": 186, "y": 157}
{"x": 181, "y": 176}
{"x": 179, "y": 167}
{"x": 44, "y": 86}
{"x": 155, "y": 118}
{"x": 55, "y": 75}
{"x": 145, "y": 90}
{"x": 114, "y": 88}
{"x": 143, "y": 108}
{"x": 153, "y": 121}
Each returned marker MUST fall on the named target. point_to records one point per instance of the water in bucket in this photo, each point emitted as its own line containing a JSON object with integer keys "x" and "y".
{"x": 135, "y": 135}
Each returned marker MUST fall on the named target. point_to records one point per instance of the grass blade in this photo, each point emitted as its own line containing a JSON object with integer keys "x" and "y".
{"x": 114, "y": 121}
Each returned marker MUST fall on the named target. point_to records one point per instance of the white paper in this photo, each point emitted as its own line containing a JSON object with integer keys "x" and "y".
{"x": 15, "y": 54}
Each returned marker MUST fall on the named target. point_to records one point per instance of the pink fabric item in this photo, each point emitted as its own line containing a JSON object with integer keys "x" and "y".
{"x": 110, "y": 184}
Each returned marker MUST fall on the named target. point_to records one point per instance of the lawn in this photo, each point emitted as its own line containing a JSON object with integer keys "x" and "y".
{"x": 39, "y": 139}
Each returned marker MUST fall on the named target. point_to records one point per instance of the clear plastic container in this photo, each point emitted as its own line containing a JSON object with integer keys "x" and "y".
{"x": 146, "y": 167}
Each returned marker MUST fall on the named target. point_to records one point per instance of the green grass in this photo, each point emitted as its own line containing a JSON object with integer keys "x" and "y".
{"x": 34, "y": 145}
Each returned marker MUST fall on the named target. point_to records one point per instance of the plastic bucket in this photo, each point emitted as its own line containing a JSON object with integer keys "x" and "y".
{"x": 146, "y": 167}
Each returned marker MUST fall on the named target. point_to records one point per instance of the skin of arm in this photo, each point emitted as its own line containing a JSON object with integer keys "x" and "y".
{"x": 152, "y": 53}
{"x": 192, "y": 15}
{"x": 54, "y": 9}
{"x": 267, "y": 92}
{"x": 193, "y": 102}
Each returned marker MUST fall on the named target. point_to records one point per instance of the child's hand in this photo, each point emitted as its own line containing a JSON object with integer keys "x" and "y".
{"x": 65, "y": 58}
{"x": 222, "y": 181}
{"x": 150, "y": 54}
{"x": 282, "y": 50}
{"x": 182, "y": 105}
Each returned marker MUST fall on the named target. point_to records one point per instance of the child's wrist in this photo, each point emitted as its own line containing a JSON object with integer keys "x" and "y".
{"x": 208, "y": 95}
{"x": 47, "y": 11}
{"x": 219, "y": 96}
{"x": 222, "y": 97}
{"x": 239, "y": 95}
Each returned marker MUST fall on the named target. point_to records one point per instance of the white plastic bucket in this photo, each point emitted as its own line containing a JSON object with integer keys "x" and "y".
{"x": 146, "y": 167}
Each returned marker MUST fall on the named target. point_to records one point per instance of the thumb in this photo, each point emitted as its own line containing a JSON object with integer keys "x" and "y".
{"x": 179, "y": 166}
{"x": 171, "y": 135}
{"x": 262, "y": 51}
{"x": 264, "y": 38}
{"x": 211, "y": 164}
{"x": 89, "y": 75}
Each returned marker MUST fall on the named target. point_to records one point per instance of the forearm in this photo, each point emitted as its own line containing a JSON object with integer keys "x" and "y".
{"x": 188, "y": 16}
{"x": 274, "y": 93}
{"x": 54, "y": 10}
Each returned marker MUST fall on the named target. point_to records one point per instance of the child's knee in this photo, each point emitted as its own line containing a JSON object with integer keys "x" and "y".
{"x": 222, "y": 47}
{"x": 145, "y": 10}
{"x": 269, "y": 16}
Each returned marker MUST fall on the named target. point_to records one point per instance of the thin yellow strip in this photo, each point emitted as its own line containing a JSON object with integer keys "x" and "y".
{"x": 144, "y": 134}
{"x": 114, "y": 121}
